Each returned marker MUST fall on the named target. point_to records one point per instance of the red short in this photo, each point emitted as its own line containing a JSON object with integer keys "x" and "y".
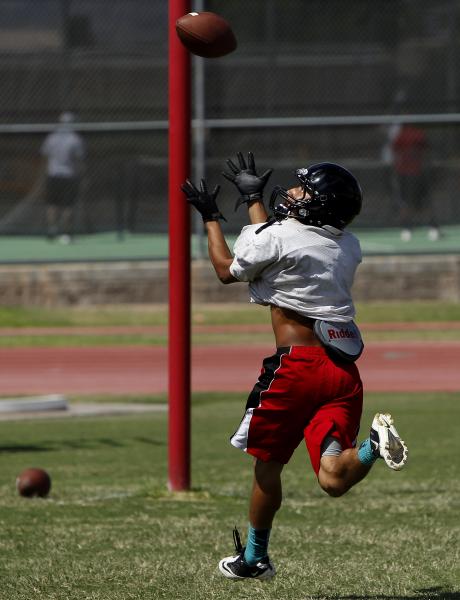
{"x": 301, "y": 393}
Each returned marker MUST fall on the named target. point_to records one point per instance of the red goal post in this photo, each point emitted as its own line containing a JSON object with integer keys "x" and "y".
{"x": 179, "y": 350}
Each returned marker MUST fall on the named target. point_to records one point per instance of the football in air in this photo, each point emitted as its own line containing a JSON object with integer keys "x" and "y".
{"x": 33, "y": 482}
{"x": 206, "y": 34}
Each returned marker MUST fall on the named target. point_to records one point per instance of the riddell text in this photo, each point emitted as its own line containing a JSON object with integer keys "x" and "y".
{"x": 335, "y": 334}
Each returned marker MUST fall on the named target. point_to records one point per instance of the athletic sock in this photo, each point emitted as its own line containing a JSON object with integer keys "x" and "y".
{"x": 257, "y": 545}
{"x": 365, "y": 454}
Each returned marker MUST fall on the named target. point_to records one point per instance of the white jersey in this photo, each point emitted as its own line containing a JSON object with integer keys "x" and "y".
{"x": 307, "y": 269}
{"x": 65, "y": 151}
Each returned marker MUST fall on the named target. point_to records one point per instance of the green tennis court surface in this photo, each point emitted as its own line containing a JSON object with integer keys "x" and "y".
{"x": 112, "y": 246}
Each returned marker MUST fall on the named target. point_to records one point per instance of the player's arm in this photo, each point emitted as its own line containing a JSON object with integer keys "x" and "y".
{"x": 219, "y": 252}
{"x": 250, "y": 186}
{"x": 257, "y": 212}
{"x": 205, "y": 203}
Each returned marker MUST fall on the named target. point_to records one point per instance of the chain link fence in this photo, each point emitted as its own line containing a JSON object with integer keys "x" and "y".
{"x": 323, "y": 80}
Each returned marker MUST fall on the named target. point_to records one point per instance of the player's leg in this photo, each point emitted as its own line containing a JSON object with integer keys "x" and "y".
{"x": 66, "y": 225}
{"x": 51, "y": 221}
{"x": 427, "y": 206}
{"x": 405, "y": 212}
{"x": 340, "y": 470}
{"x": 337, "y": 474}
{"x": 252, "y": 561}
{"x": 68, "y": 201}
{"x": 266, "y": 493}
{"x": 54, "y": 200}
{"x": 52, "y": 204}
{"x": 270, "y": 432}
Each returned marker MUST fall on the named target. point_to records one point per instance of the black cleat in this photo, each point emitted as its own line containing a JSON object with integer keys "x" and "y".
{"x": 235, "y": 567}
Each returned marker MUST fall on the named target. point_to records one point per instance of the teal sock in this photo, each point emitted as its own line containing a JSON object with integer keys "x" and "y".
{"x": 257, "y": 545}
{"x": 365, "y": 454}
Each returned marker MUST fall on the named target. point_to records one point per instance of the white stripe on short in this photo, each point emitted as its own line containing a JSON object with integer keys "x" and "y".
{"x": 240, "y": 437}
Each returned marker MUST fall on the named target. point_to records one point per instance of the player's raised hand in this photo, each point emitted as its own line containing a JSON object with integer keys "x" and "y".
{"x": 249, "y": 184}
{"x": 203, "y": 200}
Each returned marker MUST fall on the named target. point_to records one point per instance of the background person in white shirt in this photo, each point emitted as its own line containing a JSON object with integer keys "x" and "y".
{"x": 301, "y": 263}
{"x": 64, "y": 151}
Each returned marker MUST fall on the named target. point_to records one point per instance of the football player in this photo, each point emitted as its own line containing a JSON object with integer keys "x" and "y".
{"x": 300, "y": 263}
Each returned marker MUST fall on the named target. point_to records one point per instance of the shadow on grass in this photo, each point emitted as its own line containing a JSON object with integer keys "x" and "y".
{"x": 53, "y": 446}
{"x": 435, "y": 593}
{"x": 23, "y": 448}
{"x": 150, "y": 441}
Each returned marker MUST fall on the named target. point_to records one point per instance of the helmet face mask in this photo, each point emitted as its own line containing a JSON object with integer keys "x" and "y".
{"x": 331, "y": 196}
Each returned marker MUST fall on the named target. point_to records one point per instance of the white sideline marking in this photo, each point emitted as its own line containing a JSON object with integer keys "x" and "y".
{"x": 34, "y": 404}
{"x": 86, "y": 410}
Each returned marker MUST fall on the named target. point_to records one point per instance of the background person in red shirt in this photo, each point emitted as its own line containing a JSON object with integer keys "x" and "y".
{"x": 410, "y": 162}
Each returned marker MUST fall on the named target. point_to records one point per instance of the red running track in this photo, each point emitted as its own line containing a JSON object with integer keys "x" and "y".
{"x": 384, "y": 366}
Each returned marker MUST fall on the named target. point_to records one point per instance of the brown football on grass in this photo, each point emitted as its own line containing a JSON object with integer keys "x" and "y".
{"x": 33, "y": 482}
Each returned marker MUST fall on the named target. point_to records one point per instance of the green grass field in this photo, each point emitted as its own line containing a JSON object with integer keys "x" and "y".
{"x": 111, "y": 530}
{"x": 214, "y": 315}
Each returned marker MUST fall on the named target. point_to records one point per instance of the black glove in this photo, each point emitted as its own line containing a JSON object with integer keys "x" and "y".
{"x": 249, "y": 184}
{"x": 202, "y": 200}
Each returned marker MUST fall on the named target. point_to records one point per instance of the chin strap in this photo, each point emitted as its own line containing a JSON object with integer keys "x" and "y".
{"x": 280, "y": 212}
{"x": 270, "y": 221}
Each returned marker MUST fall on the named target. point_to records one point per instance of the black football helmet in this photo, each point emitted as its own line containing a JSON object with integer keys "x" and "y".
{"x": 332, "y": 196}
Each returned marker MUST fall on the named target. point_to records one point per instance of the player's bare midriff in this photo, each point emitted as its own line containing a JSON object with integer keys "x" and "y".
{"x": 292, "y": 329}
